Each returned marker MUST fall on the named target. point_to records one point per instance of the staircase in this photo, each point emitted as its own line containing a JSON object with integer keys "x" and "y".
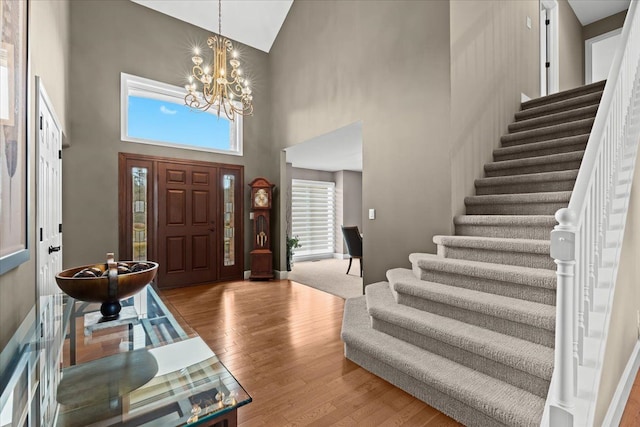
{"x": 471, "y": 330}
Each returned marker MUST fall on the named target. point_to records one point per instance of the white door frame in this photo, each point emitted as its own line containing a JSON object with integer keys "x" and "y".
{"x": 588, "y": 52}
{"x": 48, "y": 261}
{"x": 549, "y": 50}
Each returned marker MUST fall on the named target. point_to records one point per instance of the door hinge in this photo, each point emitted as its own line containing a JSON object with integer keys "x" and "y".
{"x": 59, "y": 228}
{"x": 40, "y": 122}
{"x": 547, "y": 65}
{"x": 547, "y": 22}
{"x": 60, "y": 154}
{"x": 41, "y": 234}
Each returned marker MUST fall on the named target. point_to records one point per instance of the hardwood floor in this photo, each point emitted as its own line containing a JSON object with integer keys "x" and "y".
{"x": 631, "y": 415}
{"x": 281, "y": 340}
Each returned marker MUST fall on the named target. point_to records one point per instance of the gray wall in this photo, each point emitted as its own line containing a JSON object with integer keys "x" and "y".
{"x": 494, "y": 58}
{"x": 312, "y": 175}
{"x": 603, "y": 26}
{"x": 348, "y": 204}
{"x": 385, "y": 63}
{"x": 571, "y": 47}
{"x": 49, "y": 44}
{"x": 110, "y": 37}
{"x": 623, "y": 326}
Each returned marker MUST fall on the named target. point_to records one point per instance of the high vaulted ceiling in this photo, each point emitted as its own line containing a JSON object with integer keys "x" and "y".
{"x": 252, "y": 22}
{"x": 589, "y": 11}
{"x": 256, "y": 23}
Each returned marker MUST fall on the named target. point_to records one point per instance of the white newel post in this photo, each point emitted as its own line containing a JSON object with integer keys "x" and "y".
{"x": 563, "y": 251}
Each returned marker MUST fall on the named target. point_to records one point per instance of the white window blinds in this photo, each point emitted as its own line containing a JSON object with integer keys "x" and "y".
{"x": 313, "y": 212}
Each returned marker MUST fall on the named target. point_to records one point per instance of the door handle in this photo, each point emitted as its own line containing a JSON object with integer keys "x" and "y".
{"x": 53, "y": 249}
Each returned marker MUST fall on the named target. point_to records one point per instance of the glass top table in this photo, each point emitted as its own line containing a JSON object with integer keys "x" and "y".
{"x": 145, "y": 368}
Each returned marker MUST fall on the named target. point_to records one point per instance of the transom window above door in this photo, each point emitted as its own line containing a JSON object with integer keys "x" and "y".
{"x": 155, "y": 113}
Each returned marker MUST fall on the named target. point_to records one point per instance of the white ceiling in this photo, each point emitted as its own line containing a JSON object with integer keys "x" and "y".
{"x": 589, "y": 11}
{"x": 253, "y": 22}
{"x": 332, "y": 152}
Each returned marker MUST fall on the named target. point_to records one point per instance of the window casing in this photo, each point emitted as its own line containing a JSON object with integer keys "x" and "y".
{"x": 154, "y": 113}
{"x": 313, "y": 213}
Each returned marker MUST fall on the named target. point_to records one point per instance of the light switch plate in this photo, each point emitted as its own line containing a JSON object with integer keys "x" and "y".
{"x": 372, "y": 214}
{"x": 528, "y": 22}
{"x": 250, "y": 215}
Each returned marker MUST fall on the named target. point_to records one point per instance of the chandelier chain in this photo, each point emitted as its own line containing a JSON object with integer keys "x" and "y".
{"x": 220, "y": 17}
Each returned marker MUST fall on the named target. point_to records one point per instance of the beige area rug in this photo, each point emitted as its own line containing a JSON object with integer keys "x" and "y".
{"x": 329, "y": 275}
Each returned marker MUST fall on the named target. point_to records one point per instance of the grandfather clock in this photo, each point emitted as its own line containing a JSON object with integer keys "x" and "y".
{"x": 261, "y": 255}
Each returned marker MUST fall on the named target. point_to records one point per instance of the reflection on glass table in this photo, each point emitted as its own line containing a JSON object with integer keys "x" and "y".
{"x": 146, "y": 368}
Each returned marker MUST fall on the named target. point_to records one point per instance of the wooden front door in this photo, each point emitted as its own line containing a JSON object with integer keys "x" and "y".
{"x": 187, "y": 207}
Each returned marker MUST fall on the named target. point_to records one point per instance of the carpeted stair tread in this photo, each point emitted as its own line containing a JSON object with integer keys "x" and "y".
{"x": 495, "y": 243}
{"x": 520, "y": 354}
{"x": 555, "y": 196}
{"x": 516, "y": 310}
{"x": 512, "y": 226}
{"x": 535, "y": 149}
{"x": 527, "y": 183}
{"x": 537, "y": 277}
{"x": 576, "y": 127}
{"x": 531, "y": 253}
{"x": 554, "y": 118}
{"x": 592, "y": 98}
{"x": 502, "y": 402}
{"x": 567, "y": 94}
{"x": 542, "y": 203}
{"x": 506, "y": 220}
{"x": 529, "y": 165}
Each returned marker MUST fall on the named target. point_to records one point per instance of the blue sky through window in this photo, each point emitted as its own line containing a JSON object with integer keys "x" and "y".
{"x": 156, "y": 120}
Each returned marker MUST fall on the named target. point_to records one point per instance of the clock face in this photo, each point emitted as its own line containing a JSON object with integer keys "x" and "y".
{"x": 261, "y": 198}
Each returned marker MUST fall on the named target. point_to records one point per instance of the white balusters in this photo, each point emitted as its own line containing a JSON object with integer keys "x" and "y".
{"x": 579, "y": 242}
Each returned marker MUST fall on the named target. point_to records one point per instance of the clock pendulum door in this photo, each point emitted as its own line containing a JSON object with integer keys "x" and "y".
{"x": 261, "y": 255}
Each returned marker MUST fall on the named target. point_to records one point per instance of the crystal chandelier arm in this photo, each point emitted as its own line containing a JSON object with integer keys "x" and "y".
{"x": 222, "y": 88}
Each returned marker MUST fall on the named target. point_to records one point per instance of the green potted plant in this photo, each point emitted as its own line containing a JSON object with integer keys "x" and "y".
{"x": 292, "y": 243}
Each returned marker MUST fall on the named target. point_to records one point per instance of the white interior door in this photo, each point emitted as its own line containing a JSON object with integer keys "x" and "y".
{"x": 549, "y": 50}
{"x": 598, "y": 54}
{"x": 49, "y": 250}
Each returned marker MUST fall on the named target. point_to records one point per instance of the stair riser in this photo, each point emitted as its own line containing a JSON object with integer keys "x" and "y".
{"x": 594, "y": 99}
{"x": 516, "y": 139}
{"x": 549, "y": 121}
{"x": 508, "y": 374}
{"x": 504, "y": 326}
{"x": 516, "y": 208}
{"x": 512, "y": 290}
{"x": 511, "y": 231}
{"x": 542, "y": 152}
{"x": 596, "y": 87}
{"x": 523, "y": 259}
{"x": 543, "y": 167}
{"x": 423, "y": 391}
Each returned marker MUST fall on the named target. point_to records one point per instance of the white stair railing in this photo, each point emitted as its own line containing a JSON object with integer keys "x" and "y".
{"x": 578, "y": 242}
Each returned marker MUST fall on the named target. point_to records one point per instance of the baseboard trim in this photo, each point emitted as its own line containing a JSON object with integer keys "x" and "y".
{"x": 341, "y": 256}
{"x": 621, "y": 395}
{"x": 280, "y": 275}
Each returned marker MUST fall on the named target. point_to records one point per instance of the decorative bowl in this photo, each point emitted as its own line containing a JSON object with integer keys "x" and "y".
{"x": 108, "y": 289}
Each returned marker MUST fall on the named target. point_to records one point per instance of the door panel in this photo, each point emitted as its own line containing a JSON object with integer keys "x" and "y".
{"x": 49, "y": 253}
{"x": 186, "y": 228}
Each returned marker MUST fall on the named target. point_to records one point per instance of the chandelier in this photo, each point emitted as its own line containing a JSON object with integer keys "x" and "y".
{"x": 219, "y": 85}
